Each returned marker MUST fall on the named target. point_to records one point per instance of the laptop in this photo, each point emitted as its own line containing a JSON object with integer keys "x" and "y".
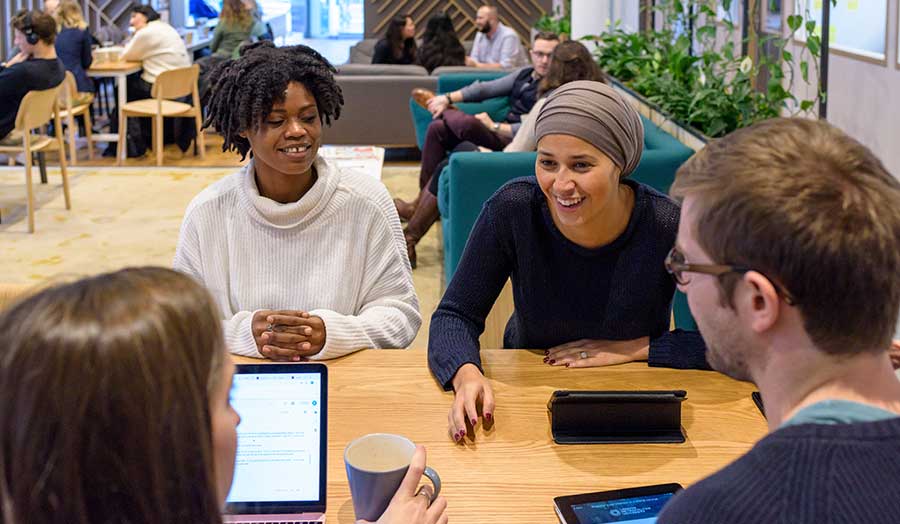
{"x": 279, "y": 474}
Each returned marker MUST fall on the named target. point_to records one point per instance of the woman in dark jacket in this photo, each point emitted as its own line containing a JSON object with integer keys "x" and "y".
{"x": 440, "y": 45}
{"x": 399, "y": 44}
{"x": 73, "y": 46}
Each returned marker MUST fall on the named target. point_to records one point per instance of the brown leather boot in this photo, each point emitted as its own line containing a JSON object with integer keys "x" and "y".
{"x": 426, "y": 214}
{"x": 422, "y": 96}
{"x": 406, "y": 209}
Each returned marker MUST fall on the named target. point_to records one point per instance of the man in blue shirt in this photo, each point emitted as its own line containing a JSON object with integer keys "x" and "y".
{"x": 788, "y": 248}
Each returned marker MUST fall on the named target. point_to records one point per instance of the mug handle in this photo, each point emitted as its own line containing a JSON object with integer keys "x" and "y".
{"x": 435, "y": 481}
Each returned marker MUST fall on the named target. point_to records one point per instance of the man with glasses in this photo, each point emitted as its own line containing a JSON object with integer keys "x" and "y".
{"x": 788, "y": 249}
{"x": 452, "y": 130}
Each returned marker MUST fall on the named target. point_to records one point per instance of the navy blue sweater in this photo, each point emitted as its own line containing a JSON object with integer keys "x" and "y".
{"x": 806, "y": 474}
{"x": 16, "y": 81}
{"x": 562, "y": 291}
{"x": 73, "y": 47}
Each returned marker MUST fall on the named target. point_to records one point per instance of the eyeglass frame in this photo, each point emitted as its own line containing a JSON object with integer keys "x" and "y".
{"x": 717, "y": 270}
{"x": 538, "y": 54}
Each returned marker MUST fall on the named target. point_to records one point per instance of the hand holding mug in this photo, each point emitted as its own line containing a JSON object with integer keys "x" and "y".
{"x": 411, "y": 504}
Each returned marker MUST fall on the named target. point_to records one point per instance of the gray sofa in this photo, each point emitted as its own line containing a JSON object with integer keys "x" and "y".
{"x": 376, "y": 99}
{"x": 362, "y": 51}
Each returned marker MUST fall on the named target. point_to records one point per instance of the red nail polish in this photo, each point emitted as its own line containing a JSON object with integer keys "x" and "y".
{"x": 552, "y": 362}
{"x": 456, "y": 437}
{"x": 547, "y": 352}
{"x": 567, "y": 364}
{"x": 488, "y": 416}
{"x": 474, "y": 421}
{"x": 462, "y": 433}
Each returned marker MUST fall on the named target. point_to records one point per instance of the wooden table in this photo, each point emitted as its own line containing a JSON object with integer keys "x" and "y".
{"x": 511, "y": 473}
{"x": 119, "y": 71}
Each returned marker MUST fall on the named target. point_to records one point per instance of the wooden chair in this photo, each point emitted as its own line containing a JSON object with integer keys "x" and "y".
{"x": 36, "y": 110}
{"x": 69, "y": 111}
{"x": 175, "y": 83}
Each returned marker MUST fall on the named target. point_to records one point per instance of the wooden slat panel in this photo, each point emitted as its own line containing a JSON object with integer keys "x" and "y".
{"x": 519, "y": 15}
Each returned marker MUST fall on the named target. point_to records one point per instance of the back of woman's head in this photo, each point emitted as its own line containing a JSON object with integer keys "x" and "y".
{"x": 235, "y": 12}
{"x": 69, "y": 15}
{"x": 571, "y": 61}
{"x": 105, "y": 386}
{"x": 438, "y": 25}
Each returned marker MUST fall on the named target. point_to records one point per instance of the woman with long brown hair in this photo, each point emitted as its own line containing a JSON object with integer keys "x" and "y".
{"x": 115, "y": 395}
{"x": 399, "y": 43}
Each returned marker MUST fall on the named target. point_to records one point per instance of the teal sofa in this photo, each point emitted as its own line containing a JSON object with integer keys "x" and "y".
{"x": 471, "y": 178}
{"x": 496, "y": 107}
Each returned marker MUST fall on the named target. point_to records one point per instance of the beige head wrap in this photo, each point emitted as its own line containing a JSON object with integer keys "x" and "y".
{"x": 597, "y": 114}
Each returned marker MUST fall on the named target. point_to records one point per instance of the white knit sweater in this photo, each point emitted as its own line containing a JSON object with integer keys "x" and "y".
{"x": 158, "y": 47}
{"x": 338, "y": 253}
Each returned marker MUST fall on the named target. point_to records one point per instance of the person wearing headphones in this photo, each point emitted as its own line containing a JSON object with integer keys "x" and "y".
{"x": 34, "y": 68}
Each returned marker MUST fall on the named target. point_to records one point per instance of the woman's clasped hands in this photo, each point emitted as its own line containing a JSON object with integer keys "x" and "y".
{"x": 288, "y": 335}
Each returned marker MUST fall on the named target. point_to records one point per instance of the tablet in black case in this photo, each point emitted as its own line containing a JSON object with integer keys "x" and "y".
{"x": 620, "y": 417}
{"x": 634, "y": 505}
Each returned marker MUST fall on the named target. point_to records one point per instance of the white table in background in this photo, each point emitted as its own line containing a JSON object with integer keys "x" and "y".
{"x": 119, "y": 71}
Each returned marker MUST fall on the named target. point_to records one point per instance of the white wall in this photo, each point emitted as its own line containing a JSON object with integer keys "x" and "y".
{"x": 590, "y": 17}
{"x": 864, "y": 98}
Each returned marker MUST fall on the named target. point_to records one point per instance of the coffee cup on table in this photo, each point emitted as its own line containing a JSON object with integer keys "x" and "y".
{"x": 376, "y": 464}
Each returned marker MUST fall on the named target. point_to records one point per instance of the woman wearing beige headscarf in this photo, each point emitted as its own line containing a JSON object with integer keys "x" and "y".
{"x": 585, "y": 248}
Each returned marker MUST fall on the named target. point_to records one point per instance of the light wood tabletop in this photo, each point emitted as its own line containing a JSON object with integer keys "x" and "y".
{"x": 511, "y": 472}
{"x": 113, "y": 67}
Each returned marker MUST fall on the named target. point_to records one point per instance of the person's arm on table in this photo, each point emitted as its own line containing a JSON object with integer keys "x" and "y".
{"x": 453, "y": 346}
{"x": 217, "y": 37}
{"x": 86, "y": 57}
{"x": 388, "y": 314}
{"x": 136, "y": 48}
{"x": 677, "y": 349}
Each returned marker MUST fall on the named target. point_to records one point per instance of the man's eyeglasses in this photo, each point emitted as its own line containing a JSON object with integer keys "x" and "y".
{"x": 542, "y": 56}
{"x": 677, "y": 266}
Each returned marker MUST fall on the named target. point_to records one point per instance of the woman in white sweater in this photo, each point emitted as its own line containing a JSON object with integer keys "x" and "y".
{"x": 305, "y": 260}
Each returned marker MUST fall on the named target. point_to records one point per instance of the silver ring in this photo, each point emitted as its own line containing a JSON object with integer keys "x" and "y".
{"x": 427, "y": 496}
{"x": 583, "y": 354}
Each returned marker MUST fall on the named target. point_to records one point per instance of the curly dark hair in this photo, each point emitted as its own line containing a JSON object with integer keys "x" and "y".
{"x": 244, "y": 89}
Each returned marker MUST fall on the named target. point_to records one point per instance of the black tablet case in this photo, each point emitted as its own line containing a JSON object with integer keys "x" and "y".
{"x": 616, "y": 417}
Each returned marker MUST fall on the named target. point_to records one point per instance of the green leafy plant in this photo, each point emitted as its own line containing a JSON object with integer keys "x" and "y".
{"x": 707, "y": 84}
{"x": 560, "y": 22}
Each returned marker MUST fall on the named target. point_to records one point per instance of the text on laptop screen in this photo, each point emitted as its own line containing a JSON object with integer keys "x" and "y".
{"x": 278, "y": 437}
{"x": 636, "y": 510}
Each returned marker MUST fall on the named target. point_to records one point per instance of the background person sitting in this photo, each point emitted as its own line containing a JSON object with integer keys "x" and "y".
{"x": 126, "y": 396}
{"x": 495, "y": 46}
{"x": 73, "y": 46}
{"x": 158, "y": 47}
{"x": 236, "y": 26}
{"x": 451, "y": 127}
{"x": 306, "y": 260}
{"x": 440, "y": 44}
{"x": 399, "y": 43}
{"x": 35, "y": 68}
{"x": 585, "y": 248}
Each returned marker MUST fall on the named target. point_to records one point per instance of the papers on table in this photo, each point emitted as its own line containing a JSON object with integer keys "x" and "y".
{"x": 365, "y": 159}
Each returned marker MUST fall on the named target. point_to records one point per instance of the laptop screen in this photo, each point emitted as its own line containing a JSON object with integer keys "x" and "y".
{"x": 280, "y": 463}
